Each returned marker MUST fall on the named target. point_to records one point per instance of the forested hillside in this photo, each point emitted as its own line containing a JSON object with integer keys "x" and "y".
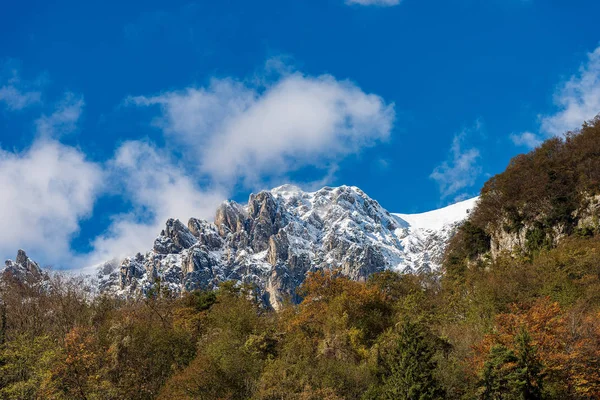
{"x": 514, "y": 315}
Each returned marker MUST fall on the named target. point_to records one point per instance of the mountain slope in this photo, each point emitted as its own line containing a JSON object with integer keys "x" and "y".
{"x": 280, "y": 235}
{"x": 429, "y": 232}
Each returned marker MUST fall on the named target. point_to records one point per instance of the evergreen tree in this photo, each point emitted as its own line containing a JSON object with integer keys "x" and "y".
{"x": 529, "y": 368}
{"x": 512, "y": 376}
{"x": 411, "y": 367}
{"x": 498, "y": 375}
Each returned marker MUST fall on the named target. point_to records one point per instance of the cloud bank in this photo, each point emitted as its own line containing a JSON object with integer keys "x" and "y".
{"x": 46, "y": 191}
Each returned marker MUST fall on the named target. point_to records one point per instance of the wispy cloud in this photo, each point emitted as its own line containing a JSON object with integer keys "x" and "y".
{"x": 576, "y": 100}
{"x": 64, "y": 118}
{"x": 16, "y": 99}
{"x": 15, "y": 93}
{"x": 460, "y": 171}
{"x": 381, "y": 3}
{"x": 526, "y": 139}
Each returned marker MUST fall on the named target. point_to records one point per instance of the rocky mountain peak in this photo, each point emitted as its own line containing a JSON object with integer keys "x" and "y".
{"x": 280, "y": 235}
{"x": 22, "y": 268}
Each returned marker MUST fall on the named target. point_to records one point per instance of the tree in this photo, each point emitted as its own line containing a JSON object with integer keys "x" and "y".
{"x": 2, "y": 323}
{"x": 410, "y": 367}
{"x": 498, "y": 376}
{"x": 512, "y": 375}
{"x": 24, "y": 364}
{"x": 529, "y": 368}
{"x": 78, "y": 372}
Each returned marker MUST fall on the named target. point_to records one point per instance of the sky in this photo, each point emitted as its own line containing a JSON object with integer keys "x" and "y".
{"x": 115, "y": 116}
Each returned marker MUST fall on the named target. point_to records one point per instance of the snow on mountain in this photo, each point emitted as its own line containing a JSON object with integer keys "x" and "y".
{"x": 437, "y": 219}
{"x": 280, "y": 235}
{"x": 429, "y": 232}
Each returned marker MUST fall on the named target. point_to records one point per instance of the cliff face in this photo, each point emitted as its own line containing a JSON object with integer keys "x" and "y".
{"x": 529, "y": 235}
{"x": 279, "y": 236}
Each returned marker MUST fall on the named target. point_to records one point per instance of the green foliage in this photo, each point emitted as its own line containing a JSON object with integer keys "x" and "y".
{"x": 529, "y": 368}
{"x": 200, "y": 300}
{"x": 536, "y": 239}
{"x": 2, "y": 324}
{"x": 499, "y": 376}
{"x": 409, "y": 367}
{"x": 508, "y": 375}
{"x": 25, "y": 363}
{"x": 469, "y": 242}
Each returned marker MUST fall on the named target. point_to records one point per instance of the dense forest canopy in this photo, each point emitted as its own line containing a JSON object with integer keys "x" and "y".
{"x": 517, "y": 324}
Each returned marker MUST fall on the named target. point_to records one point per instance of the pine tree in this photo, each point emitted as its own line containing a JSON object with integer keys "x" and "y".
{"x": 529, "y": 368}
{"x": 498, "y": 376}
{"x": 512, "y": 376}
{"x": 411, "y": 367}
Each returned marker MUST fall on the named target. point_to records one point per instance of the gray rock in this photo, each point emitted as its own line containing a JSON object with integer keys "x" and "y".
{"x": 23, "y": 269}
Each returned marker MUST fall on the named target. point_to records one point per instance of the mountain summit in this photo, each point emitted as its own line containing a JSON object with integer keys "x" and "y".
{"x": 280, "y": 235}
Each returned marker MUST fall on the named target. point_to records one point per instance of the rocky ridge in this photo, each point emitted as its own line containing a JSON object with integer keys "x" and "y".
{"x": 22, "y": 268}
{"x": 280, "y": 235}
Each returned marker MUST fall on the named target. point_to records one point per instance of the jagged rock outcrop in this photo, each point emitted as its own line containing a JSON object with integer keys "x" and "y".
{"x": 23, "y": 269}
{"x": 174, "y": 238}
{"x": 280, "y": 236}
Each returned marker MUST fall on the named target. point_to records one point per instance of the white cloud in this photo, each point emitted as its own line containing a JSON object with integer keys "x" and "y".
{"x": 238, "y": 132}
{"x": 232, "y": 131}
{"x": 383, "y": 3}
{"x": 526, "y": 139}
{"x": 460, "y": 171}
{"x": 158, "y": 190}
{"x": 64, "y": 118}
{"x": 50, "y": 188}
{"x": 46, "y": 191}
{"x": 577, "y": 100}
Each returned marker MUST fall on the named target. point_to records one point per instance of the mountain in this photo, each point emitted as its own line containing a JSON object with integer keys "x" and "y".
{"x": 280, "y": 235}
{"x": 22, "y": 268}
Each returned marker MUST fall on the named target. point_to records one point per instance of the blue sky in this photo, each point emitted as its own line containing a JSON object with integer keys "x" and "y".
{"x": 115, "y": 116}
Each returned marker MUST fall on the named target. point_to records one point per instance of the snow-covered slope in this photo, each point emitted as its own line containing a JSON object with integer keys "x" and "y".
{"x": 437, "y": 219}
{"x": 428, "y": 233}
{"x": 280, "y": 235}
